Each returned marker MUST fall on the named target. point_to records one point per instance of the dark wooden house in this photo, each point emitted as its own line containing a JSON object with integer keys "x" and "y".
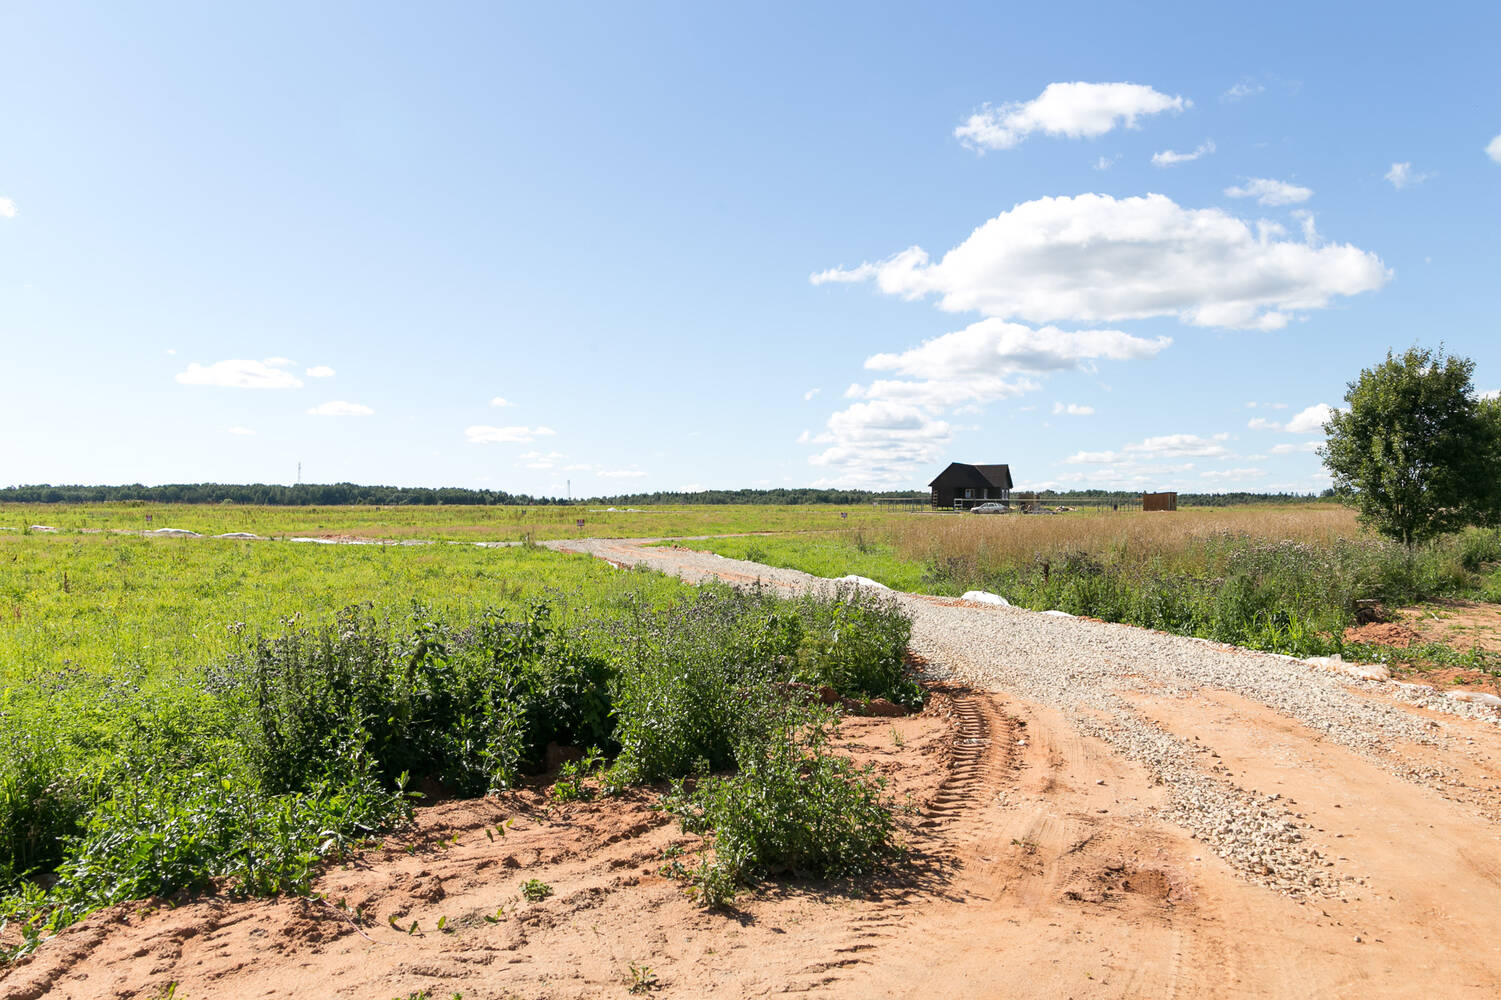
{"x": 963, "y": 486}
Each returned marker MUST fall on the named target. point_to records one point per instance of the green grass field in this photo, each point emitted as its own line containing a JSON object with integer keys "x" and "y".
{"x": 453, "y": 523}
{"x": 143, "y": 607}
{"x": 175, "y": 711}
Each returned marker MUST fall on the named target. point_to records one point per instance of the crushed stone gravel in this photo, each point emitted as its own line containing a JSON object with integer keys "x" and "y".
{"x": 1082, "y": 668}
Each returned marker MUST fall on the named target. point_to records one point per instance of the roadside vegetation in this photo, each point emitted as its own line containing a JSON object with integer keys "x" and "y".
{"x": 180, "y": 713}
{"x": 1286, "y": 580}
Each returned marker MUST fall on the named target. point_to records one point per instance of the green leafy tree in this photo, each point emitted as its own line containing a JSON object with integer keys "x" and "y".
{"x": 1415, "y": 450}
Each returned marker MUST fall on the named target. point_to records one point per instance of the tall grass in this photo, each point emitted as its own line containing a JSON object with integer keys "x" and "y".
{"x": 1283, "y": 579}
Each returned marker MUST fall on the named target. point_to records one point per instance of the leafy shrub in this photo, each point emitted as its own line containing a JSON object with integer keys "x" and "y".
{"x": 42, "y": 802}
{"x": 793, "y": 806}
{"x": 467, "y": 707}
{"x": 856, "y": 643}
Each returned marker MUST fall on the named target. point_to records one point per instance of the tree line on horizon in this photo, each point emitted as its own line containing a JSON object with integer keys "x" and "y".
{"x": 352, "y": 494}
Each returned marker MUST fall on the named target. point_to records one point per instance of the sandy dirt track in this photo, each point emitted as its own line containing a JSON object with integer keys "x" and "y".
{"x": 1091, "y": 811}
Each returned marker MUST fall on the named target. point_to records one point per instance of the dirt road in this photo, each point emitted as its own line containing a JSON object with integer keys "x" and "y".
{"x": 1091, "y": 811}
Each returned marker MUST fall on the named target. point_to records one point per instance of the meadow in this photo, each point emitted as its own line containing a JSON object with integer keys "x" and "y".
{"x": 1276, "y": 578}
{"x": 449, "y": 523}
{"x": 176, "y": 713}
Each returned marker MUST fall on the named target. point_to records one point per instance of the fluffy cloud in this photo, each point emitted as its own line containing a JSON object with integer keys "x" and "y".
{"x": 1165, "y": 446}
{"x": 880, "y": 442}
{"x": 340, "y": 408}
{"x": 1269, "y": 192}
{"x": 1075, "y": 110}
{"x": 501, "y": 401}
{"x": 484, "y": 434}
{"x": 996, "y": 347}
{"x": 1093, "y": 258}
{"x": 1306, "y": 421}
{"x": 240, "y": 374}
{"x": 319, "y": 371}
{"x": 1171, "y": 158}
{"x": 1311, "y": 420}
{"x": 1106, "y": 162}
{"x": 7, "y": 208}
{"x": 1493, "y": 150}
{"x": 1402, "y": 175}
{"x": 1153, "y": 463}
{"x": 899, "y": 424}
{"x": 1072, "y": 410}
{"x": 811, "y": 393}
{"x": 1293, "y": 449}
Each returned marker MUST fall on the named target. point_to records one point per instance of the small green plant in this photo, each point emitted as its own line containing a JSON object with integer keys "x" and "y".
{"x": 640, "y": 979}
{"x": 534, "y": 890}
{"x": 712, "y": 884}
{"x": 570, "y": 785}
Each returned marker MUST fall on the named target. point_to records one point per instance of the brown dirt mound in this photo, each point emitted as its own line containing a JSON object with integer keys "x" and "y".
{"x": 1383, "y": 634}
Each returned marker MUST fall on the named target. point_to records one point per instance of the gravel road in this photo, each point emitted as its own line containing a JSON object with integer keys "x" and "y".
{"x": 1107, "y": 679}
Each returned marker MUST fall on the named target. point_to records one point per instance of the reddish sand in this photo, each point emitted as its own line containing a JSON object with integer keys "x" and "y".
{"x": 1036, "y": 866}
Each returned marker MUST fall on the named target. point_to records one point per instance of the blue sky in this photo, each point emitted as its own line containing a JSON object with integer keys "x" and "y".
{"x": 679, "y": 243}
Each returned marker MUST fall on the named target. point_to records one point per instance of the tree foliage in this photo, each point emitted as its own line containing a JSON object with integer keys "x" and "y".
{"x": 1416, "y": 451}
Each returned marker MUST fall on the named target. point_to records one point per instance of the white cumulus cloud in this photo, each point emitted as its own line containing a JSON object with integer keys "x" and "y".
{"x": 1310, "y": 420}
{"x": 1292, "y": 449}
{"x": 500, "y": 401}
{"x": 319, "y": 371}
{"x": 485, "y": 434}
{"x": 880, "y": 442}
{"x": 1076, "y": 110}
{"x": 242, "y": 374}
{"x": 1269, "y": 192}
{"x": 340, "y": 408}
{"x": 1072, "y": 410}
{"x": 1171, "y": 158}
{"x": 998, "y": 347}
{"x": 1093, "y": 258}
{"x": 811, "y": 393}
{"x": 1492, "y": 149}
{"x": 7, "y": 208}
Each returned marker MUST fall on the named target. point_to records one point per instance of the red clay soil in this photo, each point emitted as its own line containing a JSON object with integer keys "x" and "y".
{"x": 1382, "y": 634}
{"x": 1038, "y": 864}
{"x": 1459, "y": 624}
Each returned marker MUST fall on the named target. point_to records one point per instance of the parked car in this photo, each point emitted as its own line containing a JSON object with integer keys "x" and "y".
{"x": 989, "y": 508}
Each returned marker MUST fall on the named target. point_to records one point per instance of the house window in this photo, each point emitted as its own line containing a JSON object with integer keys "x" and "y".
{"x": 969, "y": 494}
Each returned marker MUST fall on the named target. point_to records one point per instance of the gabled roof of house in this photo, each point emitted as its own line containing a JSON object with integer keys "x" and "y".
{"x": 998, "y": 476}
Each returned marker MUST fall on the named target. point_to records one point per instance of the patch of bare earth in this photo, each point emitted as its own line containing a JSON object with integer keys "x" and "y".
{"x": 1460, "y": 624}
